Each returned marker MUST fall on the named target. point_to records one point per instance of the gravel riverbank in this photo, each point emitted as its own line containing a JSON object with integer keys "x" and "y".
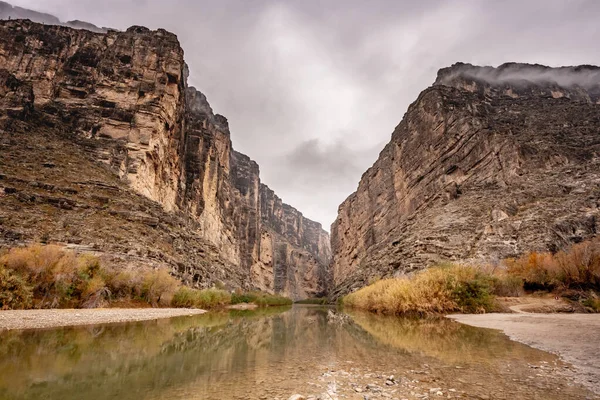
{"x": 39, "y": 319}
{"x": 574, "y": 337}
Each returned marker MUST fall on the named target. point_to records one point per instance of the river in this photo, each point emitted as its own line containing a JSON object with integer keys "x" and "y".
{"x": 274, "y": 353}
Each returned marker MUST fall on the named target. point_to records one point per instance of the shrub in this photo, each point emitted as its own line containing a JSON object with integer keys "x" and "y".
{"x": 316, "y": 300}
{"x": 60, "y": 278}
{"x": 435, "y": 290}
{"x": 260, "y": 299}
{"x": 158, "y": 287}
{"x": 206, "y": 298}
{"x": 48, "y": 270}
{"x": 185, "y": 297}
{"x": 15, "y": 293}
{"x": 593, "y": 303}
{"x": 122, "y": 284}
{"x": 506, "y": 285}
{"x": 575, "y": 268}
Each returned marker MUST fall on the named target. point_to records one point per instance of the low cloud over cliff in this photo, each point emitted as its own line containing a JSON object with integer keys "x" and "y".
{"x": 585, "y": 76}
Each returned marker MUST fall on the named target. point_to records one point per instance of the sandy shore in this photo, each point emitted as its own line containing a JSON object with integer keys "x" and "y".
{"x": 574, "y": 337}
{"x": 36, "y": 319}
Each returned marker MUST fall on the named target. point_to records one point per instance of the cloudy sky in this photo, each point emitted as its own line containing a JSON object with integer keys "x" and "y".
{"x": 313, "y": 89}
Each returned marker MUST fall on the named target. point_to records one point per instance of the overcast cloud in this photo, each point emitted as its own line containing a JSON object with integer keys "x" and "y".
{"x": 313, "y": 89}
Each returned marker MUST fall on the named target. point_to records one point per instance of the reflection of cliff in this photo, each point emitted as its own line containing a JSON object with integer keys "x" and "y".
{"x": 441, "y": 338}
{"x": 122, "y": 361}
{"x": 200, "y": 355}
{"x": 107, "y": 148}
{"x": 252, "y": 355}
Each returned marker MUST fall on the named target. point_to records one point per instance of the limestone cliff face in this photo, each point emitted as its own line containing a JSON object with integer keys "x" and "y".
{"x": 299, "y": 247}
{"x": 487, "y": 163}
{"x": 123, "y": 99}
{"x": 124, "y": 88}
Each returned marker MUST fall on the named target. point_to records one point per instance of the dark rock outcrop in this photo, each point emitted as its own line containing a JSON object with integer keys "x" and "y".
{"x": 128, "y": 140}
{"x": 487, "y": 163}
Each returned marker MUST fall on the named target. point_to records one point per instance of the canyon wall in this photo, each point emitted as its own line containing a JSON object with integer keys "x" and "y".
{"x": 119, "y": 101}
{"x": 486, "y": 164}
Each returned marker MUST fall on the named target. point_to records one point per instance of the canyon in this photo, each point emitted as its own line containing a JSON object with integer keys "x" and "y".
{"x": 106, "y": 149}
{"x": 487, "y": 164}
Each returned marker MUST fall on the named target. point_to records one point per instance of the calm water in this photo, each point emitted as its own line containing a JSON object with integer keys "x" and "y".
{"x": 275, "y": 353}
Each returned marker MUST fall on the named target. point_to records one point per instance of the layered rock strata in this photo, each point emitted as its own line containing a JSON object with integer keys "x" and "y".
{"x": 486, "y": 164}
{"x": 129, "y": 131}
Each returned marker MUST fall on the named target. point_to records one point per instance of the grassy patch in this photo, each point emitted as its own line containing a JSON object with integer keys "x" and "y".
{"x": 205, "y": 298}
{"x": 436, "y": 290}
{"x": 48, "y": 276}
{"x": 261, "y": 299}
{"x": 317, "y": 300}
{"x": 573, "y": 274}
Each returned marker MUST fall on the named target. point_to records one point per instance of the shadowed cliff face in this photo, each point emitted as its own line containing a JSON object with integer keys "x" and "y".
{"x": 117, "y": 109}
{"x": 486, "y": 164}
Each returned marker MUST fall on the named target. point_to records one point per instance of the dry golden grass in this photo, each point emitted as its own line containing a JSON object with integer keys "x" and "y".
{"x": 60, "y": 278}
{"x": 57, "y": 278}
{"x": 436, "y": 290}
{"x": 573, "y": 273}
{"x": 158, "y": 287}
{"x": 206, "y": 298}
{"x": 14, "y": 291}
{"x": 51, "y": 277}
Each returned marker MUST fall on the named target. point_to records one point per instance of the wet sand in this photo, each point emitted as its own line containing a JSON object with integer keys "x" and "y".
{"x": 574, "y": 337}
{"x": 39, "y": 319}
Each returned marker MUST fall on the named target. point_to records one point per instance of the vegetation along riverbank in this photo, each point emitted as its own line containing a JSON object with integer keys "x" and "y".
{"x": 48, "y": 276}
{"x": 573, "y": 275}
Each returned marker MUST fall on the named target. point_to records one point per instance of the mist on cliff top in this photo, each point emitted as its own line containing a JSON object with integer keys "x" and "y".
{"x": 313, "y": 89}
{"x": 584, "y": 76}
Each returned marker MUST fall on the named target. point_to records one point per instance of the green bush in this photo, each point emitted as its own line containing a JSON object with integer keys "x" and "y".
{"x": 205, "y": 298}
{"x": 474, "y": 295}
{"x": 260, "y": 299}
{"x": 316, "y": 300}
{"x": 593, "y": 303}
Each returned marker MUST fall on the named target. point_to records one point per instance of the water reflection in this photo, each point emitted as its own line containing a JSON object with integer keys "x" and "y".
{"x": 252, "y": 354}
{"x": 445, "y": 340}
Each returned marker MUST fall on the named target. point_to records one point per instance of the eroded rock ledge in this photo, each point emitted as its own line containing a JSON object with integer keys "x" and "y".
{"x": 487, "y": 163}
{"x": 125, "y": 139}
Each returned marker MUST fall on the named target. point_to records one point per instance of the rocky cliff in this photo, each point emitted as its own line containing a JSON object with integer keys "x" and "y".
{"x": 487, "y": 163}
{"x": 105, "y": 147}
